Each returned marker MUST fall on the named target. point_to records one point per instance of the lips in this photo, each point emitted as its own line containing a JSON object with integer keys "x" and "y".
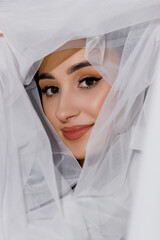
{"x": 75, "y": 132}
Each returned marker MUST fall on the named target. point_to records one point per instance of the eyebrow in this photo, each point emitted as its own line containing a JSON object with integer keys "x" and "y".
{"x": 77, "y": 67}
{"x": 70, "y": 70}
{"x": 45, "y": 76}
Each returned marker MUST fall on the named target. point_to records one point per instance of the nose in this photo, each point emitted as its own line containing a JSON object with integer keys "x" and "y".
{"x": 68, "y": 107}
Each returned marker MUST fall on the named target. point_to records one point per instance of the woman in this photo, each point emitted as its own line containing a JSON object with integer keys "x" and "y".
{"x": 68, "y": 82}
{"x": 56, "y": 198}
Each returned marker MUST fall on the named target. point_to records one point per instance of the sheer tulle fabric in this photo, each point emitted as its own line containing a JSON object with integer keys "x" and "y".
{"x": 37, "y": 171}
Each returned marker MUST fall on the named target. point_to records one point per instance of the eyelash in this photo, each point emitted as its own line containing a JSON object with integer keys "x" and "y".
{"x": 45, "y": 89}
{"x": 93, "y": 81}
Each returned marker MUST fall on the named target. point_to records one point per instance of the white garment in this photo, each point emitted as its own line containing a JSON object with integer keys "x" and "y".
{"x": 37, "y": 171}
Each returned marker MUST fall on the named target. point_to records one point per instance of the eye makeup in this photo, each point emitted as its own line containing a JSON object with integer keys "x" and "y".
{"x": 89, "y": 82}
{"x": 50, "y": 90}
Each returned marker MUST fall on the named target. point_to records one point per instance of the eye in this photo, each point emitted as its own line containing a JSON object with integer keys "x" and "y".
{"x": 89, "y": 82}
{"x": 50, "y": 90}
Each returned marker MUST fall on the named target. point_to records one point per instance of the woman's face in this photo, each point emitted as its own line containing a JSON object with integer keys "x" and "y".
{"x": 73, "y": 93}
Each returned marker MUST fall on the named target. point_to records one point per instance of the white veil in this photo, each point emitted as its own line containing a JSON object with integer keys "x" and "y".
{"x": 37, "y": 171}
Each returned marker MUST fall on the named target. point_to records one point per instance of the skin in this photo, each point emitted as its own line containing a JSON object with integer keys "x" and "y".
{"x": 68, "y": 98}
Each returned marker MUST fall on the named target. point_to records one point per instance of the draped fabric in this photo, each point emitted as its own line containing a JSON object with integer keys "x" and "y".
{"x": 37, "y": 171}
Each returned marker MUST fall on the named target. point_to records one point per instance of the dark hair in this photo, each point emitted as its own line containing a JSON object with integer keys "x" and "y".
{"x": 36, "y": 78}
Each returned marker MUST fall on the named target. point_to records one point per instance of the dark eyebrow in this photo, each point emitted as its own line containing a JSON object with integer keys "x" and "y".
{"x": 77, "y": 66}
{"x": 70, "y": 70}
{"x": 45, "y": 76}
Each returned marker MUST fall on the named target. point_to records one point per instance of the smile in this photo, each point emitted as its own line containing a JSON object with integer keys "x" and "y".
{"x": 75, "y": 132}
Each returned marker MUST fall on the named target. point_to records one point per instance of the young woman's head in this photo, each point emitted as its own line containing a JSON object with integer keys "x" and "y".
{"x": 73, "y": 93}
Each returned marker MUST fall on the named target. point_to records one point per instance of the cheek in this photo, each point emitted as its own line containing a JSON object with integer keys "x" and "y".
{"x": 49, "y": 111}
{"x": 96, "y": 98}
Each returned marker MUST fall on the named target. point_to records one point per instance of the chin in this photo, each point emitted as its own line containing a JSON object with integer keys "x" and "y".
{"x": 78, "y": 152}
{"x": 78, "y": 149}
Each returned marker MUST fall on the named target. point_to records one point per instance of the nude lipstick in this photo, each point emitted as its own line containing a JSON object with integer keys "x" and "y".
{"x": 75, "y": 132}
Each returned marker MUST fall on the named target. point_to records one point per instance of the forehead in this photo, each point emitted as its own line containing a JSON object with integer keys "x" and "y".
{"x": 53, "y": 60}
